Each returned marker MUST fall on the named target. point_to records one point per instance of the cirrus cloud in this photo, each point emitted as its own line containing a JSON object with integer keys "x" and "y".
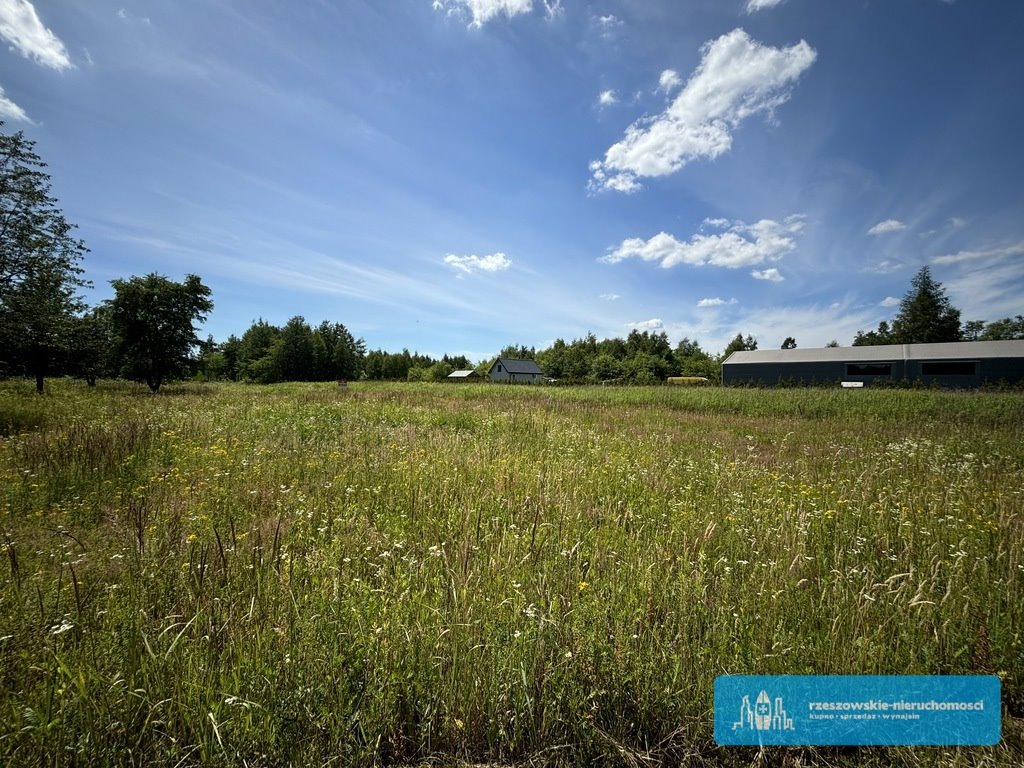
{"x": 887, "y": 226}
{"x": 1016, "y": 249}
{"x": 736, "y": 78}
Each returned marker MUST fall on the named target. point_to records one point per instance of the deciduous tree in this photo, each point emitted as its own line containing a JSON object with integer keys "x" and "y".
{"x": 153, "y": 323}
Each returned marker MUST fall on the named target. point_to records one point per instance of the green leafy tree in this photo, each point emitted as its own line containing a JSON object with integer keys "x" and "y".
{"x": 691, "y": 360}
{"x": 789, "y": 343}
{"x": 152, "y": 319}
{"x": 1007, "y": 329}
{"x": 605, "y": 367}
{"x": 293, "y": 353}
{"x": 40, "y": 276}
{"x": 874, "y": 338}
{"x": 972, "y": 330}
{"x": 90, "y": 345}
{"x": 740, "y": 344}
{"x": 253, "y": 348}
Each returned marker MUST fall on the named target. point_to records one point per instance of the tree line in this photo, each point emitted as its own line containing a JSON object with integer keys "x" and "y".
{"x": 148, "y": 331}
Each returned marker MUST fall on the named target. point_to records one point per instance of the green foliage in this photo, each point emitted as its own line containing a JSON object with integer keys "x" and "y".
{"x": 152, "y": 321}
{"x": 789, "y": 343}
{"x": 740, "y": 344}
{"x": 91, "y": 345}
{"x": 1007, "y": 329}
{"x": 415, "y": 574}
{"x": 40, "y": 276}
{"x": 926, "y": 316}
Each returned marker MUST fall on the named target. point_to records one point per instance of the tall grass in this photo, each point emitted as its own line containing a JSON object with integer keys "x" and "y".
{"x": 407, "y": 573}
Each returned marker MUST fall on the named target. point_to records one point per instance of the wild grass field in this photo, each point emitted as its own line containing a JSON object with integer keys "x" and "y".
{"x": 407, "y": 574}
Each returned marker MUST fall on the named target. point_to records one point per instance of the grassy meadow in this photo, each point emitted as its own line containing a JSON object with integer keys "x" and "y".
{"x": 403, "y": 574}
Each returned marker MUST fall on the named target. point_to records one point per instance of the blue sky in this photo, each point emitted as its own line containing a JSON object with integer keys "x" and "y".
{"x": 458, "y": 175}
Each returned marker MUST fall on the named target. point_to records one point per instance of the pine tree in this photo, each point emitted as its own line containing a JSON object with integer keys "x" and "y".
{"x": 40, "y": 274}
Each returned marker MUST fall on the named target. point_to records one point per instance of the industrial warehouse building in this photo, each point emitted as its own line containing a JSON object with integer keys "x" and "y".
{"x": 957, "y": 364}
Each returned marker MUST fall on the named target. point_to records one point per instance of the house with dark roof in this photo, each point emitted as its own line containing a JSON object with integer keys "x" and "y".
{"x": 514, "y": 371}
{"x": 959, "y": 364}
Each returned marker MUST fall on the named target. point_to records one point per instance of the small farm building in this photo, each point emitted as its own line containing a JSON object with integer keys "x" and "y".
{"x": 469, "y": 375}
{"x": 511, "y": 370}
{"x": 956, "y": 364}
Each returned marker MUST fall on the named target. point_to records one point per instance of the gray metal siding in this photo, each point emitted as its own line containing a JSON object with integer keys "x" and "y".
{"x": 989, "y": 370}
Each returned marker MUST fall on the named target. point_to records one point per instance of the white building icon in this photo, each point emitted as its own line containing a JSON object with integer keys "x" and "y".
{"x": 763, "y": 716}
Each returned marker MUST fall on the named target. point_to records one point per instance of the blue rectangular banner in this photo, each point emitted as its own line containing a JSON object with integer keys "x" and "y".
{"x": 857, "y": 710}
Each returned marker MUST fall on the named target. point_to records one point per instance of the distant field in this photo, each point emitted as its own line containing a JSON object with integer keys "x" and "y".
{"x": 398, "y": 573}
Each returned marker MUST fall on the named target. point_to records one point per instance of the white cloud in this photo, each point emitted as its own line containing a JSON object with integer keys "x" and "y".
{"x": 772, "y": 275}
{"x": 21, "y": 27}
{"x": 11, "y": 111}
{"x": 607, "y": 98}
{"x": 669, "y": 80}
{"x": 886, "y": 267}
{"x": 760, "y": 5}
{"x": 890, "y": 301}
{"x": 737, "y": 77}
{"x": 654, "y": 324}
{"x": 553, "y": 7}
{"x": 1017, "y": 249}
{"x": 884, "y": 227}
{"x": 467, "y": 265}
{"x": 610, "y": 296}
{"x": 715, "y": 302}
{"x": 483, "y": 11}
{"x": 741, "y": 245}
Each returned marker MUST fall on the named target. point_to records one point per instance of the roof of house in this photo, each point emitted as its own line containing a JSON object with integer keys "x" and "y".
{"x": 463, "y": 374}
{"x": 514, "y": 365}
{"x": 957, "y": 350}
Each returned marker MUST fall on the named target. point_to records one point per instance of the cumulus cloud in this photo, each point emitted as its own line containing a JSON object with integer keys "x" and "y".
{"x": 607, "y": 98}
{"x": 761, "y": 5}
{"x": 737, "y": 77}
{"x": 739, "y": 245}
{"x": 654, "y": 324}
{"x": 715, "y": 302}
{"x": 610, "y": 296}
{"x": 21, "y": 27}
{"x": 771, "y": 275}
{"x": 11, "y": 111}
{"x": 884, "y": 227}
{"x": 467, "y": 265}
{"x": 482, "y": 11}
{"x": 890, "y": 301}
{"x": 1017, "y": 249}
{"x": 669, "y": 80}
